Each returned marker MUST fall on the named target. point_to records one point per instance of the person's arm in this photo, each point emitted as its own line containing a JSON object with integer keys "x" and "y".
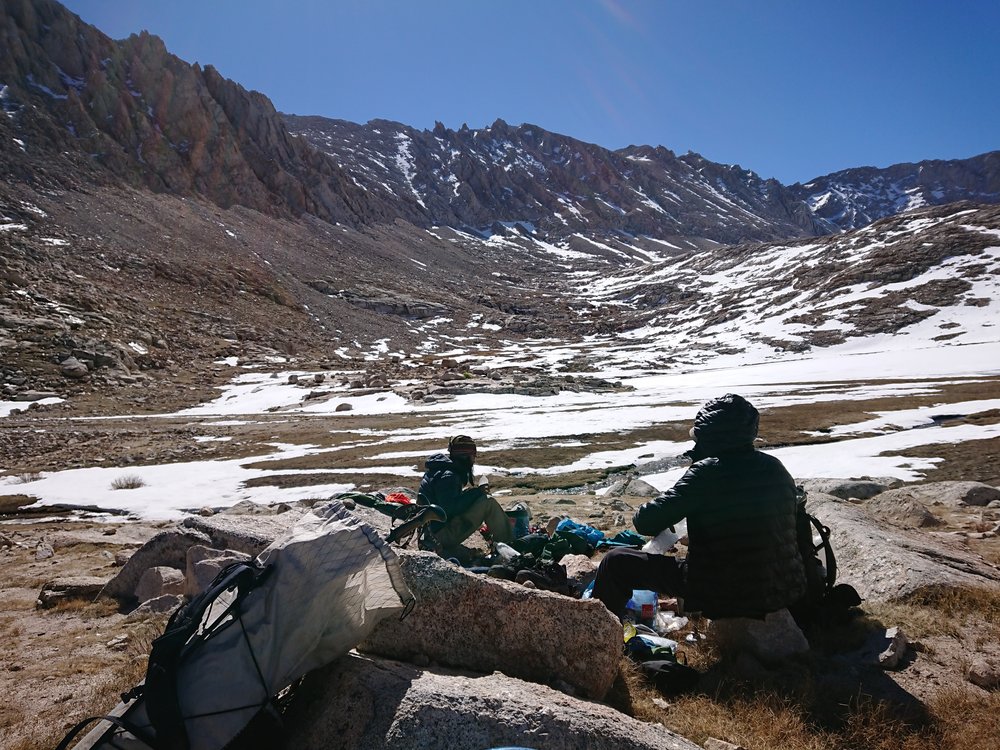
{"x": 672, "y": 506}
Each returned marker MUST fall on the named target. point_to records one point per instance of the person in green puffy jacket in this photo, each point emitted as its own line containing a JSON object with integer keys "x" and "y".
{"x": 448, "y": 482}
{"x": 743, "y": 558}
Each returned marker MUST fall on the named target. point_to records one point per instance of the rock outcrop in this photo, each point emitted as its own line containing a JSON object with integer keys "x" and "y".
{"x": 947, "y": 494}
{"x": 485, "y": 624}
{"x": 886, "y": 563}
{"x": 152, "y": 119}
{"x": 166, "y": 549}
{"x": 364, "y": 702}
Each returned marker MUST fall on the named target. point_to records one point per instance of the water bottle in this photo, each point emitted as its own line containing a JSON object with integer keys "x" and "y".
{"x": 642, "y": 607}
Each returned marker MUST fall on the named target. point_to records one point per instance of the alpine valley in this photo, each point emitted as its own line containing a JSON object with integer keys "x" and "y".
{"x": 157, "y": 217}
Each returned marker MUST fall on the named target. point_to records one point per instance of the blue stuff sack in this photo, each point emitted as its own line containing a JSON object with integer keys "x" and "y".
{"x": 592, "y": 535}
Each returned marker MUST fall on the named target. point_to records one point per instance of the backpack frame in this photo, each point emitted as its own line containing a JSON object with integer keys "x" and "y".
{"x": 192, "y": 625}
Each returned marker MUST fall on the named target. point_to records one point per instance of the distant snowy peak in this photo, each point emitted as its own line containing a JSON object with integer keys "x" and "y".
{"x": 501, "y": 175}
{"x": 854, "y": 198}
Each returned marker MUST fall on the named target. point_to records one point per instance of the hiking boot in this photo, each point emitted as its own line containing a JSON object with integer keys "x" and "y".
{"x": 545, "y": 580}
{"x": 427, "y": 542}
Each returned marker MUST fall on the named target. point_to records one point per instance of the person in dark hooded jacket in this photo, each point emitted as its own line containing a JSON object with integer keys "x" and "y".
{"x": 449, "y": 483}
{"x": 743, "y": 559}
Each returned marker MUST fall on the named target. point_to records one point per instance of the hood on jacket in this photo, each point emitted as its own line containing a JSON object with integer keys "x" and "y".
{"x": 440, "y": 461}
{"x": 725, "y": 424}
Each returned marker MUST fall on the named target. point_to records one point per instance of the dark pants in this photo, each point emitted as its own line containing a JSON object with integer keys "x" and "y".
{"x": 624, "y": 569}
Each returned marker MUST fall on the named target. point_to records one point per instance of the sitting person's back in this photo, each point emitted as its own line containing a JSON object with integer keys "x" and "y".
{"x": 743, "y": 555}
{"x": 740, "y": 505}
{"x": 444, "y": 483}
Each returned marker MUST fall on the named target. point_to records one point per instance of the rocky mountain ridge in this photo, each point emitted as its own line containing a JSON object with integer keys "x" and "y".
{"x": 491, "y": 178}
{"x": 499, "y": 176}
{"x": 853, "y": 198}
{"x": 82, "y": 108}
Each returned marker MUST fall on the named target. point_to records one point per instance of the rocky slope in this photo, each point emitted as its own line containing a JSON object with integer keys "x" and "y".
{"x": 140, "y": 288}
{"x": 929, "y": 276}
{"x": 119, "y": 288}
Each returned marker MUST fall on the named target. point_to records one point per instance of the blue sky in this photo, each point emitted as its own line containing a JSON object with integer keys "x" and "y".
{"x": 792, "y": 89}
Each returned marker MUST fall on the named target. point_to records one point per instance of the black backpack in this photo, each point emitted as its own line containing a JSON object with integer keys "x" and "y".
{"x": 825, "y": 599}
{"x": 196, "y": 622}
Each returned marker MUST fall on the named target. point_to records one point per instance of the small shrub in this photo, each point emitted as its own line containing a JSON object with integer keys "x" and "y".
{"x": 29, "y": 476}
{"x": 128, "y": 482}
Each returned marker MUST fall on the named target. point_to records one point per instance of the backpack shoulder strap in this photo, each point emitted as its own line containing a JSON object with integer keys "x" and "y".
{"x": 117, "y": 721}
{"x": 184, "y": 633}
{"x": 827, "y": 547}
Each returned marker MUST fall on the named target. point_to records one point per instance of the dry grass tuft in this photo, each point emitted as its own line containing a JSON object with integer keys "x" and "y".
{"x": 128, "y": 482}
{"x": 764, "y": 720}
{"x": 966, "y": 719}
{"x": 86, "y": 610}
{"x": 941, "y": 611}
{"x": 991, "y": 554}
{"x": 28, "y": 476}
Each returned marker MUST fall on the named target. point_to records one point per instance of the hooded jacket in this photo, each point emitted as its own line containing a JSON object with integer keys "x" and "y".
{"x": 743, "y": 559}
{"x": 443, "y": 482}
{"x": 743, "y": 556}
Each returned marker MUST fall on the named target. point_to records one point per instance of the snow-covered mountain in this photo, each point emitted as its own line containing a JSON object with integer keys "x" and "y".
{"x": 80, "y": 107}
{"x": 502, "y": 175}
{"x": 929, "y": 280}
{"x": 853, "y": 198}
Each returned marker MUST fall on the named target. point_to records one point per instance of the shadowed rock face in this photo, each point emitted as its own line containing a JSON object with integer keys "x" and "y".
{"x": 149, "y": 118}
{"x": 363, "y": 702}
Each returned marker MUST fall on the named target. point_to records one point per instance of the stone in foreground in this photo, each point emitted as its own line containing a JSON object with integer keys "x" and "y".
{"x": 361, "y": 702}
{"x": 486, "y": 625}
